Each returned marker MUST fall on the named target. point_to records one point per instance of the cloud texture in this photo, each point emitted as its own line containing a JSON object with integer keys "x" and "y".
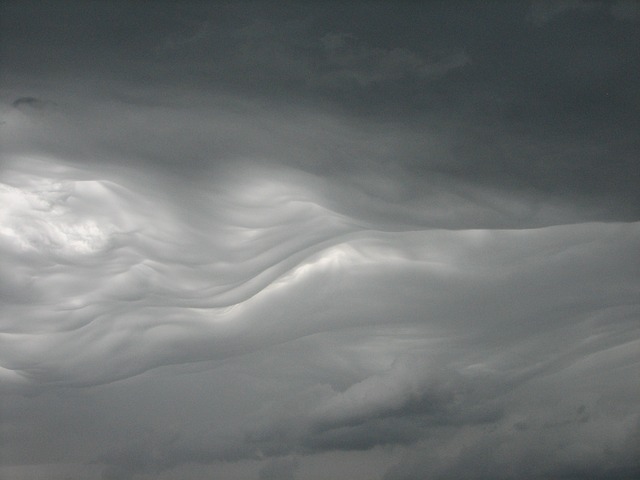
{"x": 453, "y": 326}
{"x": 378, "y": 256}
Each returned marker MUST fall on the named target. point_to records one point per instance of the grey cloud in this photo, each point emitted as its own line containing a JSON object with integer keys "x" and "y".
{"x": 29, "y": 103}
{"x": 348, "y": 240}
{"x": 477, "y": 397}
{"x": 81, "y": 224}
{"x": 626, "y": 10}
{"x": 479, "y": 288}
{"x": 184, "y": 41}
{"x": 409, "y": 387}
{"x": 280, "y": 469}
{"x": 366, "y": 436}
{"x": 551, "y": 118}
{"x": 508, "y": 455}
{"x": 542, "y": 12}
{"x": 576, "y": 441}
{"x": 349, "y": 60}
{"x": 271, "y": 241}
{"x": 160, "y": 454}
{"x": 404, "y": 166}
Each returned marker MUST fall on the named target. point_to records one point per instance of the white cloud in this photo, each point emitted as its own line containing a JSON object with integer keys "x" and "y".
{"x": 38, "y": 217}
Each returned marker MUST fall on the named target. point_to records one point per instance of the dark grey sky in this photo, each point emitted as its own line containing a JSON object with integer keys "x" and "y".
{"x": 310, "y": 240}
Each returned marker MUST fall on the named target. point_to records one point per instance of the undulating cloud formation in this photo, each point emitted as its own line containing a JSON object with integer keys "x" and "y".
{"x": 349, "y": 241}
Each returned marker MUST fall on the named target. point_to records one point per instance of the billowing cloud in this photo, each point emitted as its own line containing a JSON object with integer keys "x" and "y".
{"x": 121, "y": 269}
{"x": 358, "y": 242}
{"x": 108, "y": 283}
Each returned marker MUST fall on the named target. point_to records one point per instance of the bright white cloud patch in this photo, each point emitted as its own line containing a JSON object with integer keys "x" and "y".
{"x": 38, "y": 218}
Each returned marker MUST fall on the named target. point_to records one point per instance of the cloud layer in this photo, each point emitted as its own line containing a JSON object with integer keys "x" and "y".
{"x": 303, "y": 242}
{"x": 107, "y": 284}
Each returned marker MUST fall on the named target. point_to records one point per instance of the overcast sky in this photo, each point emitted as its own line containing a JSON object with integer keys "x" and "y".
{"x": 310, "y": 241}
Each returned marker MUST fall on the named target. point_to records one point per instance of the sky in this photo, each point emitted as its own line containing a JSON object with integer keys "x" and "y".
{"x": 319, "y": 240}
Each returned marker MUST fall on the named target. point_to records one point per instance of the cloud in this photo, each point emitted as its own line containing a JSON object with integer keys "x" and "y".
{"x": 405, "y": 387}
{"x": 185, "y": 41}
{"x": 360, "y": 311}
{"x": 449, "y": 334}
{"x": 543, "y": 12}
{"x": 578, "y": 451}
{"x": 124, "y": 277}
{"x": 274, "y": 250}
{"x": 352, "y": 61}
{"x": 280, "y": 468}
{"x": 29, "y": 103}
{"x": 626, "y": 11}
{"x": 111, "y": 249}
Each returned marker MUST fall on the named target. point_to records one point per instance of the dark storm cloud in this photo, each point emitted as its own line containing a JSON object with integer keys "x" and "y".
{"x": 351, "y": 62}
{"x": 347, "y": 240}
{"x": 543, "y": 11}
{"x": 553, "y": 110}
{"x": 26, "y": 103}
